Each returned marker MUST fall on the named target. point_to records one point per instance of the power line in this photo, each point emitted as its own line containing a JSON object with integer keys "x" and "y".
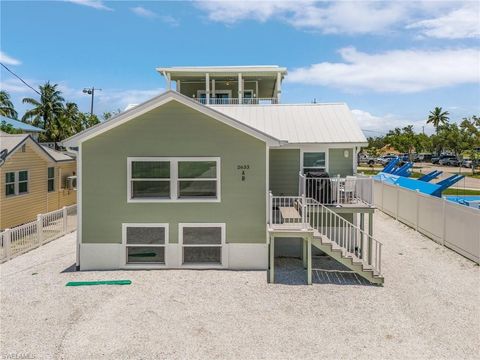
{"x": 19, "y": 78}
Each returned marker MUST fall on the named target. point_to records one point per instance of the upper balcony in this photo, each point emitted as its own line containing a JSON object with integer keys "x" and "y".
{"x": 227, "y": 85}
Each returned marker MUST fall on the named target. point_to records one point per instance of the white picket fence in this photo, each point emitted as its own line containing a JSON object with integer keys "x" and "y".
{"x": 47, "y": 227}
{"x": 445, "y": 222}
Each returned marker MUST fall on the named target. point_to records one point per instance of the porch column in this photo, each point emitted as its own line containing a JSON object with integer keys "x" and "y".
{"x": 207, "y": 88}
{"x": 213, "y": 88}
{"x": 370, "y": 240}
{"x": 309, "y": 260}
{"x": 279, "y": 87}
{"x": 304, "y": 253}
{"x": 272, "y": 260}
{"x": 240, "y": 88}
{"x": 178, "y": 85}
{"x": 362, "y": 227}
{"x": 167, "y": 80}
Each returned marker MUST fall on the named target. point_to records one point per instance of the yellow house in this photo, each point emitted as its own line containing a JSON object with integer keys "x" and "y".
{"x": 34, "y": 179}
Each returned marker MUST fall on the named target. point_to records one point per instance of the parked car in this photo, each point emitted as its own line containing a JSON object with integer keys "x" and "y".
{"x": 468, "y": 163}
{"x": 384, "y": 160}
{"x": 449, "y": 160}
{"x": 365, "y": 159}
{"x": 423, "y": 157}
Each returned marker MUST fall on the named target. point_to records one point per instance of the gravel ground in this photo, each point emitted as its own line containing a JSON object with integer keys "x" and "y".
{"x": 429, "y": 308}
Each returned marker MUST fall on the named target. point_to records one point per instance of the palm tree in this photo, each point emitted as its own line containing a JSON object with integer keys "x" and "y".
{"x": 6, "y": 106}
{"x": 46, "y": 112}
{"x": 68, "y": 123}
{"x": 438, "y": 117}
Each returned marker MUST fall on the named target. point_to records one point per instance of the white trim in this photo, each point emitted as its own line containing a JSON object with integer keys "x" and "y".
{"x": 157, "y": 102}
{"x": 223, "y": 245}
{"x": 165, "y": 226}
{"x": 16, "y": 183}
{"x": 79, "y": 204}
{"x": 174, "y": 179}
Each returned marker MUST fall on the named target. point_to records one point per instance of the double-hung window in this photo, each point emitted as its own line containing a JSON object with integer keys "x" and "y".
{"x": 201, "y": 243}
{"x": 313, "y": 161}
{"x": 145, "y": 243}
{"x": 16, "y": 182}
{"x": 188, "y": 179}
{"x": 51, "y": 179}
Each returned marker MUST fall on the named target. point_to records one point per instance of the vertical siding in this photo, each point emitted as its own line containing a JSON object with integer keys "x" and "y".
{"x": 339, "y": 164}
{"x": 284, "y": 169}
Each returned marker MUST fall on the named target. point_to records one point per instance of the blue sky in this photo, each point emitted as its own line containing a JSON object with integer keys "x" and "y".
{"x": 392, "y": 62}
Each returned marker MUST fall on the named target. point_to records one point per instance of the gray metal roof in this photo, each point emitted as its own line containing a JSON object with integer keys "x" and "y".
{"x": 20, "y": 125}
{"x": 303, "y": 123}
{"x": 10, "y": 141}
{"x": 56, "y": 155}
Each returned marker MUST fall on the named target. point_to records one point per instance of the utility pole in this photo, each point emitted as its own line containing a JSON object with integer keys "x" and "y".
{"x": 91, "y": 91}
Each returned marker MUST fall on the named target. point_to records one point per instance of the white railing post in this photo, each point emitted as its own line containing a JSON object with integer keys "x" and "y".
{"x": 270, "y": 207}
{"x": 7, "y": 243}
{"x": 65, "y": 218}
{"x": 338, "y": 189}
{"x": 304, "y": 212}
{"x": 40, "y": 229}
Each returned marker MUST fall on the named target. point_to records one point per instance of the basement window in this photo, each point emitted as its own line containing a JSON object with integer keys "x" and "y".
{"x": 145, "y": 243}
{"x": 202, "y": 244}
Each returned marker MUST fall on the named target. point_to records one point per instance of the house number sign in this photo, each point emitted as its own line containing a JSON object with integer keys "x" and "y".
{"x": 243, "y": 168}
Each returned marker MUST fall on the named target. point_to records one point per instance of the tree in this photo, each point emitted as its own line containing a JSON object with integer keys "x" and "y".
{"x": 403, "y": 140}
{"x": 6, "y": 106}
{"x": 8, "y": 128}
{"x": 437, "y": 117}
{"x": 47, "y": 111}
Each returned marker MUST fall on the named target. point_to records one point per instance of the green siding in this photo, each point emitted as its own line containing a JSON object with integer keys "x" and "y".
{"x": 173, "y": 130}
{"x": 339, "y": 164}
{"x": 284, "y": 169}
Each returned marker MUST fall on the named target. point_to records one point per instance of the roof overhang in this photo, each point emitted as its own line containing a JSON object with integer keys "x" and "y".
{"x": 158, "y": 101}
{"x": 222, "y": 71}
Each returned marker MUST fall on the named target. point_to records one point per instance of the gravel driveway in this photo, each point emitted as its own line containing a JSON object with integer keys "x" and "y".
{"x": 429, "y": 308}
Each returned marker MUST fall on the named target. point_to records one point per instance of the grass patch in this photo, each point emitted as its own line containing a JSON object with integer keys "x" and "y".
{"x": 460, "y": 192}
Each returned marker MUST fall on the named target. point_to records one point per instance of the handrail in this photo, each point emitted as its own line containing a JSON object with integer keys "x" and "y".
{"x": 345, "y": 234}
{"x": 237, "y": 101}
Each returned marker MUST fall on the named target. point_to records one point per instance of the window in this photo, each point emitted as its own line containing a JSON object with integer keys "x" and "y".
{"x": 173, "y": 179}
{"x": 145, "y": 243}
{"x": 202, "y": 244}
{"x": 51, "y": 179}
{"x": 16, "y": 183}
{"x": 9, "y": 183}
{"x": 313, "y": 161}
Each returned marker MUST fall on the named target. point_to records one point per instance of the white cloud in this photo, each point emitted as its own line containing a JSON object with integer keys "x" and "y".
{"x": 114, "y": 99}
{"x": 141, "y": 11}
{"x": 149, "y": 14}
{"x": 8, "y": 60}
{"x": 400, "y": 71}
{"x": 354, "y": 17}
{"x": 374, "y": 125}
{"x": 96, "y": 4}
{"x": 457, "y": 24}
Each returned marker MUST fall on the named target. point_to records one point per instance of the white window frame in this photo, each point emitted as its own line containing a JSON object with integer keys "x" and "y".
{"x": 17, "y": 182}
{"x": 222, "y": 245}
{"x": 125, "y": 245}
{"x": 51, "y": 178}
{"x": 302, "y": 155}
{"x": 174, "y": 180}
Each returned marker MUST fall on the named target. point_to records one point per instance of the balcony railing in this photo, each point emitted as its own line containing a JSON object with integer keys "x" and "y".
{"x": 336, "y": 190}
{"x": 237, "y": 101}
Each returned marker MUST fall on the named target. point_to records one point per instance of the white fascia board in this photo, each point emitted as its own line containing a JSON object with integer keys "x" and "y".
{"x": 158, "y": 101}
{"x": 222, "y": 69}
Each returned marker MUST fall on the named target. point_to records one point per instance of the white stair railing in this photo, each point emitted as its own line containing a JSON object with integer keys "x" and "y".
{"x": 343, "y": 233}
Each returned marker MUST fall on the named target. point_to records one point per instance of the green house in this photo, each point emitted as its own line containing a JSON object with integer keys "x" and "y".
{"x": 209, "y": 174}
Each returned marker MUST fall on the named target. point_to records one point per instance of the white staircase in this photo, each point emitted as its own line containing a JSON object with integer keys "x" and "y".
{"x": 329, "y": 232}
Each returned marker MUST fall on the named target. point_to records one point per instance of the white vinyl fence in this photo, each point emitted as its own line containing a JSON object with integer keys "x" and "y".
{"x": 447, "y": 223}
{"x": 47, "y": 227}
